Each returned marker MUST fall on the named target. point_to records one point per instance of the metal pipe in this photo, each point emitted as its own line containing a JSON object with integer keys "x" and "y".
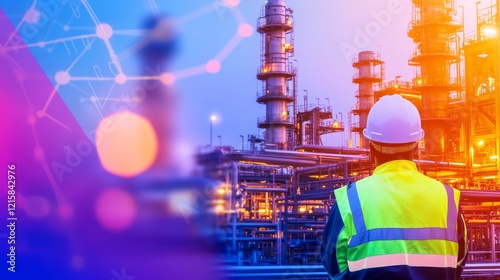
{"x": 285, "y": 221}
{"x": 493, "y": 239}
{"x": 288, "y": 162}
{"x": 234, "y": 181}
{"x": 279, "y": 240}
{"x": 266, "y": 190}
{"x": 306, "y": 203}
{"x": 316, "y": 168}
{"x": 274, "y": 206}
{"x": 310, "y": 154}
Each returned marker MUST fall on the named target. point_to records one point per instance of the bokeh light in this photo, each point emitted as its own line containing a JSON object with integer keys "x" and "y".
{"x": 115, "y": 209}
{"x": 37, "y": 207}
{"x": 127, "y": 144}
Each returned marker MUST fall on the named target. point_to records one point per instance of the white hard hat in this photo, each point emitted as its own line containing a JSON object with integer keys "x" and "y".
{"x": 393, "y": 120}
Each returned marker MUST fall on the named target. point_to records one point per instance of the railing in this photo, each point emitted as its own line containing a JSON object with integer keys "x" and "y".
{"x": 275, "y": 118}
{"x": 283, "y": 20}
{"x": 367, "y": 57}
{"x": 279, "y": 92}
{"x": 367, "y": 76}
{"x": 447, "y": 50}
{"x": 443, "y": 18}
{"x": 435, "y": 81}
{"x": 276, "y": 68}
{"x": 397, "y": 84}
{"x": 309, "y": 107}
{"x": 472, "y": 270}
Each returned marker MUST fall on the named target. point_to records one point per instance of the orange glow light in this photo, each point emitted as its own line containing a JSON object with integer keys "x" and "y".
{"x": 128, "y": 145}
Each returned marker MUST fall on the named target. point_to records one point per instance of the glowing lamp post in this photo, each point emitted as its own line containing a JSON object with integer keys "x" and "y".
{"x": 212, "y": 119}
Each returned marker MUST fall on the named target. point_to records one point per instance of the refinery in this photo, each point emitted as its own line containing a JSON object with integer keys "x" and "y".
{"x": 273, "y": 199}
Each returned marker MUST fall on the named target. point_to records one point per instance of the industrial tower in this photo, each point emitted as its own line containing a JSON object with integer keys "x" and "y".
{"x": 482, "y": 135}
{"x": 434, "y": 28}
{"x": 277, "y": 74}
{"x": 369, "y": 70}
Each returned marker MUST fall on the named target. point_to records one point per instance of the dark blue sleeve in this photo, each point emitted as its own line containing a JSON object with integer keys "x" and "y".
{"x": 329, "y": 243}
{"x": 462, "y": 243}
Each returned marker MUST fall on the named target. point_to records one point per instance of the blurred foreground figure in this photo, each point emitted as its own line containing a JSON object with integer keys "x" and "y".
{"x": 105, "y": 211}
{"x": 397, "y": 223}
{"x": 168, "y": 215}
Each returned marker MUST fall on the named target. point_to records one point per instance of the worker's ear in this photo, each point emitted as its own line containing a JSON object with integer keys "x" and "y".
{"x": 372, "y": 154}
{"x": 414, "y": 152}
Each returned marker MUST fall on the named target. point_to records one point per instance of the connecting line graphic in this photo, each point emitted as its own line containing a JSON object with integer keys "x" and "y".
{"x": 23, "y": 20}
{"x": 104, "y": 32}
{"x": 91, "y": 13}
{"x": 38, "y": 150}
{"x": 196, "y": 14}
{"x": 154, "y": 7}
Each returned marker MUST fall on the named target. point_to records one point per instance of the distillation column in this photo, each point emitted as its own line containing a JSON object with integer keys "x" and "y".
{"x": 369, "y": 70}
{"x": 434, "y": 29}
{"x": 276, "y": 73}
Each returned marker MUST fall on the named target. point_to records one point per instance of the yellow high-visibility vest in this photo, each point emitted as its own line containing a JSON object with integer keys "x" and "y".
{"x": 398, "y": 216}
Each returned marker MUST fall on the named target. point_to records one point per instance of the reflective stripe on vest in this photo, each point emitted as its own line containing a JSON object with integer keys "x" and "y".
{"x": 403, "y": 259}
{"x": 427, "y": 233}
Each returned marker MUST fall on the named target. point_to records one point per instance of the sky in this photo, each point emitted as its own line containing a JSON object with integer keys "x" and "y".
{"x": 327, "y": 36}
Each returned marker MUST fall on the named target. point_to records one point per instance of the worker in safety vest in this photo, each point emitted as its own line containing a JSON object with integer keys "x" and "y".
{"x": 396, "y": 223}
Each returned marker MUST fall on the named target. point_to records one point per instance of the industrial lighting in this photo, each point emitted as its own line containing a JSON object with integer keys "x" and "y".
{"x": 218, "y": 209}
{"x": 480, "y": 143}
{"x": 221, "y": 191}
{"x": 302, "y": 209}
{"x": 491, "y": 81}
{"x": 336, "y": 125}
{"x": 489, "y": 31}
{"x": 419, "y": 81}
{"x": 493, "y": 157}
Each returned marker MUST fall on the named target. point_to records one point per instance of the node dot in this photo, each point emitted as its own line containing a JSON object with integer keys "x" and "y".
{"x": 32, "y": 16}
{"x": 212, "y": 66}
{"x": 62, "y": 77}
{"x": 120, "y": 79}
{"x": 31, "y": 120}
{"x": 104, "y": 31}
{"x": 245, "y": 30}
{"x": 38, "y": 153}
{"x": 231, "y": 3}
{"x": 167, "y": 78}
